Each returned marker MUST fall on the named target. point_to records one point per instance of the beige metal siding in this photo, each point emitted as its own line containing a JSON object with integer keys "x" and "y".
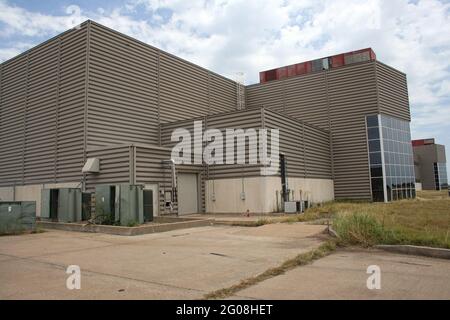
{"x": 70, "y": 106}
{"x": 114, "y": 166}
{"x": 352, "y": 96}
{"x": 122, "y": 94}
{"x": 306, "y": 99}
{"x": 133, "y": 87}
{"x": 306, "y": 147}
{"x": 292, "y": 142}
{"x": 40, "y": 118}
{"x": 222, "y": 94}
{"x": 317, "y": 152}
{"x": 336, "y": 100}
{"x": 303, "y": 97}
{"x": 183, "y": 89}
{"x": 392, "y": 92}
{"x": 268, "y": 95}
{"x": 12, "y": 122}
{"x": 42, "y": 112}
{"x": 246, "y": 119}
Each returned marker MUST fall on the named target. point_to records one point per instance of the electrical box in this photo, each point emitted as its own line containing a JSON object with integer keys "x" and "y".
{"x": 290, "y": 206}
{"x": 295, "y": 206}
{"x": 17, "y": 216}
{"x": 61, "y": 205}
{"x": 120, "y": 204}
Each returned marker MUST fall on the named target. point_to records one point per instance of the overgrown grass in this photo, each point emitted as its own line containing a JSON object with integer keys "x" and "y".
{"x": 422, "y": 221}
{"x": 300, "y": 260}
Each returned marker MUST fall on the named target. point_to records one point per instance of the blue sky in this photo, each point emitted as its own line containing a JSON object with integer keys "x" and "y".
{"x": 229, "y": 36}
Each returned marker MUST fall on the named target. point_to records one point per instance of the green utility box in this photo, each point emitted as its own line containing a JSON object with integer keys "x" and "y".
{"x": 16, "y": 216}
{"x": 61, "y": 205}
{"x": 120, "y": 204}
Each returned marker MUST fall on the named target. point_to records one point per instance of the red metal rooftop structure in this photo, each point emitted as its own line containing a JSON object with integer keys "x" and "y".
{"x": 422, "y": 142}
{"x": 318, "y": 65}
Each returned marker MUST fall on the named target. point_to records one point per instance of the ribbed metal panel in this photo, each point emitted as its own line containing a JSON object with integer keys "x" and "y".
{"x": 336, "y": 100}
{"x": 246, "y": 119}
{"x": 392, "y": 92}
{"x": 291, "y": 141}
{"x": 352, "y": 96}
{"x": 13, "y": 103}
{"x": 122, "y": 96}
{"x": 222, "y": 94}
{"x": 40, "y": 118}
{"x": 42, "y": 112}
{"x": 303, "y": 97}
{"x": 306, "y": 99}
{"x": 317, "y": 152}
{"x": 269, "y": 95}
{"x": 114, "y": 166}
{"x": 306, "y": 147}
{"x": 70, "y": 107}
{"x": 183, "y": 89}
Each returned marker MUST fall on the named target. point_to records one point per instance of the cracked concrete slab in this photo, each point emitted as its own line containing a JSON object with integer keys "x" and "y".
{"x": 343, "y": 275}
{"x": 181, "y": 264}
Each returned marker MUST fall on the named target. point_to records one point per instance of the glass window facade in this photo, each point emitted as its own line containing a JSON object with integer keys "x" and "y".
{"x": 440, "y": 176}
{"x": 390, "y": 158}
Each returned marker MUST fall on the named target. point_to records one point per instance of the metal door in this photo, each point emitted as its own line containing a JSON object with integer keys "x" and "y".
{"x": 45, "y": 203}
{"x": 187, "y": 193}
{"x": 148, "y": 205}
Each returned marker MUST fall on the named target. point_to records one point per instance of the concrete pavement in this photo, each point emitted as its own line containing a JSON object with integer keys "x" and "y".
{"x": 181, "y": 264}
{"x": 186, "y": 264}
{"x": 342, "y": 275}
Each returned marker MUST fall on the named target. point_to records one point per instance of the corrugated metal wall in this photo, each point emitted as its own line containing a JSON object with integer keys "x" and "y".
{"x": 122, "y": 90}
{"x": 306, "y": 158}
{"x": 115, "y": 166}
{"x": 392, "y": 92}
{"x": 352, "y": 95}
{"x": 306, "y": 147}
{"x": 134, "y": 86}
{"x": 14, "y": 93}
{"x": 42, "y": 112}
{"x": 70, "y": 108}
{"x": 338, "y": 100}
{"x": 303, "y": 97}
{"x": 246, "y": 119}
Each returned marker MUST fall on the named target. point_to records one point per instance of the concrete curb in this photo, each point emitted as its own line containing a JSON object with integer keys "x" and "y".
{"x": 125, "y": 231}
{"x": 417, "y": 250}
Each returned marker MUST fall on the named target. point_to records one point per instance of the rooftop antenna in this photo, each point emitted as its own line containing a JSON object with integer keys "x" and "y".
{"x": 240, "y": 90}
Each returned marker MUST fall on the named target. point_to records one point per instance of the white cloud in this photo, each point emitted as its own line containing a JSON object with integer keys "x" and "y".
{"x": 229, "y": 35}
{"x": 25, "y": 23}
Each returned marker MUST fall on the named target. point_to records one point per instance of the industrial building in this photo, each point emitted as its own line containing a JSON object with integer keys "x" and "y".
{"x": 94, "y": 107}
{"x": 430, "y": 164}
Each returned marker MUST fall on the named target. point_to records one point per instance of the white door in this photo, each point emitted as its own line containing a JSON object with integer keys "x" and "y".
{"x": 187, "y": 193}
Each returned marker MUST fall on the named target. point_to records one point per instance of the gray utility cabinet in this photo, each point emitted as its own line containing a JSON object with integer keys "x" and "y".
{"x": 123, "y": 204}
{"x": 17, "y": 216}
{"x": 61, "y": 205}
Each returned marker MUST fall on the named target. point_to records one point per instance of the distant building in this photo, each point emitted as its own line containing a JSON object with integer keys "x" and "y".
{"x": 430, "y": 164}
